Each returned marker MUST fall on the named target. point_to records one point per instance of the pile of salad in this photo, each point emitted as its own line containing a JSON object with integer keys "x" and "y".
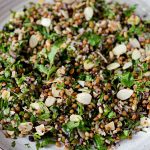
{"x": 75, "y": 73}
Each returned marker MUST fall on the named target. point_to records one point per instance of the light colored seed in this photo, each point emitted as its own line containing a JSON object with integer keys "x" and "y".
{"x": 88, "y": 65}
{"x": 100, "y": 110}
{"x": 113, "y": 66}
{"x": 33, "y": 42}
{"x": 136, "y": 54}
{"x": 110, "y": 126}
{"x": 5, "y": 94}
{"x": 145, "y": 122}
{"x": 127, "y": 65}
{"x": 124, "y": 94}
{"x": 40, "y": 129}
{"x": 75, "y": 118}
{"x": 120, "y": 49}
{"x": 46, "y": 22}
{"x": 134, "y": 43}
{"x": 82, "y": 83}
{"x": 68, "y": 1}
{"x": 84, "y": 98}
{"x": 88, "y": 12}
{"x": 50, "y": 101}
{"x": 147, "y": 74}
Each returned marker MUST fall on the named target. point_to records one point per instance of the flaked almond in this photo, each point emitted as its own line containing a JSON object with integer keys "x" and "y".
{"x": 75, "y": 118}
{"x": 113, "y": 66}
{"x": 65, "y": 13}
{"x": 100, "y": 110}
{"x": 147, "y": 74}
{"x": 120, "y": 49}
{"x": 124, "y": 94}
{"x": 5, "y": 94}
{"x": 136, "y": 54}
{"x": 68, "y": 1}
{"x": 82, "y": 83}
{"x": 40, "y": 129}
{"x": 127, "y": 65}
{"x": 145, "y": 122}
{"x": 46, "y": 22}
{"x": 88, "y": 12}
{"x": 10, "y": 132}
{"x": 33, "y": 42}
{"x": 110, "y": 126}
{"x": 134, "y": 43}
{"x": 88, "y": 65}
{"x": 84, "y": 98}
{"x": 25, "y": 127}
{"x": 50, "y": 101}
{"x": 55, "y": 91}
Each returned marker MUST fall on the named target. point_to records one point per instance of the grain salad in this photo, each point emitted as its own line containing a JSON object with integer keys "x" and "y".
{"x": 75, "y": 73}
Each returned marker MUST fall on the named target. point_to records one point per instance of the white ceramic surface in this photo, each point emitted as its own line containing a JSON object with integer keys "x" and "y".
{"x": 140, "y": 141}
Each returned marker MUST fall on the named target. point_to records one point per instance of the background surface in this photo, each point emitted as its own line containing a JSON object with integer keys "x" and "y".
{"x": 140, "y": 141}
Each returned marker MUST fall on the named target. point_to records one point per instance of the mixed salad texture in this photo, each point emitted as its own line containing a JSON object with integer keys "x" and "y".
{"x": 75, "y": 73}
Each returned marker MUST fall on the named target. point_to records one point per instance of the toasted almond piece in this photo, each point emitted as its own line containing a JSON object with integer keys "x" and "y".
{"x": 84, "y": 98}
{"x": 50, "y": 101}
{"x": 68, "y": 1}
{"x": 88, "y": 65}
{"x": 136, "y": 54}
{"x": 10, "y": 132}
{"x": 40, "y": 129}
{"x": 147, "y": 74}
{"x": 127, "y": 65}
{"x": 82, "y": 83}
{"x": 25, "y": 127}
{"x": 55, "y": 92}
{"x": 75, "y": 118}
{"x": 65, "y": 13}
{"x": 110, "y": 126}
{"x": 120, "y": 49}
{"x": 88, "y": 12}
{"x": 100, "y": 110}
{"x": 124, "y": 94}
{"x": 134, "y": 43}
{"x": 113, "y": 66}
{"x": 33, "y": 42}
{"x": 5, "y": 94}
{"x": 145, "y": 122}
{"x": 46, "y": 22}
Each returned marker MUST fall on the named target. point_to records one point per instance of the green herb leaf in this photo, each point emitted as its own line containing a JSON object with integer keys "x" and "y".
{"x": 13, "y": 144}
{"x": 127, "y": 79}
{"x": 54, "y": 50}
{"x": 44, "y": 116}
{"x": 80, "y": 109}
{"x": 130, "y": 11}
{"x": 111, "y": 115}
{"x": 99, "y": 141}
{"x": 42, "y": 69}
{"x": 94, "y": 39}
